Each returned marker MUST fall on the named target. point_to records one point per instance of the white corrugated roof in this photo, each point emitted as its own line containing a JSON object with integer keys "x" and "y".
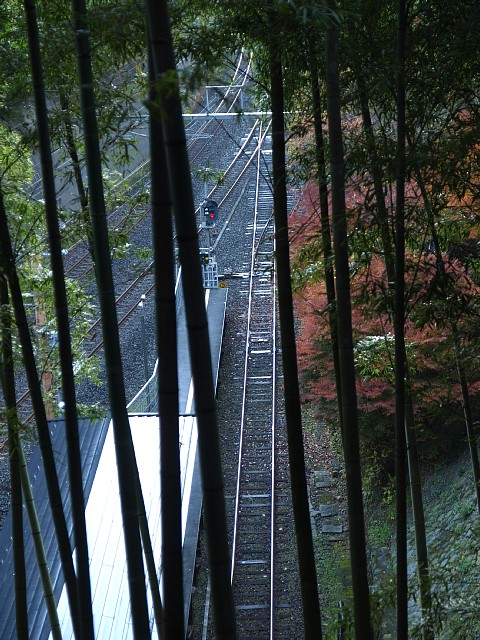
{"x": 110, "y": 597}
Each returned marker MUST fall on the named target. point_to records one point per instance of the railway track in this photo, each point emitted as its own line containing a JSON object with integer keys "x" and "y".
{"x": 143, "y": 284}
{"x": 253, "y": 566}
{"x": 199, "y": 135}
{"x": 78, "y": 262}
{"x": 255, "y": 457}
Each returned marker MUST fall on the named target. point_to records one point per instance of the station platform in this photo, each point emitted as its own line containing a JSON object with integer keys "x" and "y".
{"x": 103, "y": 515}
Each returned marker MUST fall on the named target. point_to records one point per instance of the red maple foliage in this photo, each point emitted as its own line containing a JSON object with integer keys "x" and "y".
{"x": 434, "y": 305}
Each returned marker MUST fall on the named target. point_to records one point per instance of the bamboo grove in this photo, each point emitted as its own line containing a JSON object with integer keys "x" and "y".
{"x": 375, "y": 121}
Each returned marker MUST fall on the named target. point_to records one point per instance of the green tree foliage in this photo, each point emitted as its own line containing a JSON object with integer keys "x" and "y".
{"x": 14, "y": 58}
{"x": 440, "y": 169}
{"x": 117, "y": 52}
{"x": 28, "y": 231}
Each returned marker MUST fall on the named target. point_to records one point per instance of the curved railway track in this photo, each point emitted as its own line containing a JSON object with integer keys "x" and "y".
{"x": 199, "y": 136}
{"x": 78, "y": 262}
{"x": 143, "y": 284}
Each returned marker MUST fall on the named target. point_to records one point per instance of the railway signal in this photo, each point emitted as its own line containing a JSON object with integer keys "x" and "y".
{"x": 210, "y": 213}
{"x": 209, "y": 217}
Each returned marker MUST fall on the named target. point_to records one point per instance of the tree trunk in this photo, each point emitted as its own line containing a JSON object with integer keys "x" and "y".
{"x": 34, "y": 385}
{"x": 150, "y": 561}
{"x": 166, "y": 315}
{"x": 124, "y": 450}
{"x": 84, "y": 594}
{"x": 7, "y": 376}
{"x": 418, "y": 518}
{"x": 361, "y": 601}
{"x": 197, "y": 324}
{"x": 326, "y": 231}
{"x": 39, "y": 548}
{"x": 399, "y": 332}
{"x": 467, "y": 410}
{"x": 77, "y": 172}
{"x": 414, "y": 468}
{"x": 19, "y": 480}
{"x": 376, "y": 169}
{"x": 293, "y": 414}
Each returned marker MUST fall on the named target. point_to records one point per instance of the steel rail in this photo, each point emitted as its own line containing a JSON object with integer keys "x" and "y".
{"x": 85, "y": 257}
{"x": 147, "y": 271}
{"x": 211, "y": 115}
{"x": 274, "y": 446}
{"x": 255, "y": 554}
{"x": 245, "y": 374}
{"x": 239, "y": 177}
